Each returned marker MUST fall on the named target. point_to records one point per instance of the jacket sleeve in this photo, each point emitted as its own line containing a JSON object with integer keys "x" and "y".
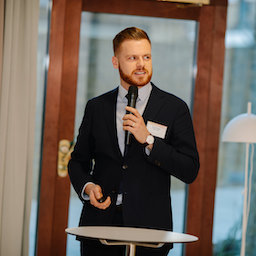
{"x": 177, "y": 153}
{"x": 80, "y": 164}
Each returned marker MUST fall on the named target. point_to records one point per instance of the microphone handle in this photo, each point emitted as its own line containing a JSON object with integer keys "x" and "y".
{"x": 133, "y": 101}
{"x": 132, "y": 104}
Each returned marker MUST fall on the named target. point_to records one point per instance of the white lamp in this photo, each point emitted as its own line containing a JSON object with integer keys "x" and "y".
{"x": 243, "y": 129}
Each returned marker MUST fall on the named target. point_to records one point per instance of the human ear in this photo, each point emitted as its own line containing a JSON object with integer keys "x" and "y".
{"x": 115, "y": 62}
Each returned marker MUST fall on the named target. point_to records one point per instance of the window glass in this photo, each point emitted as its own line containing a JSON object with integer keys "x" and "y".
{"x": 239, "y": 88}
{"x": 173, "y": 50}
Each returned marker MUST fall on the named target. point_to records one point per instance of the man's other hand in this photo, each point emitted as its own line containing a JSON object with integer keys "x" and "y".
{"x": 95, "y": 193}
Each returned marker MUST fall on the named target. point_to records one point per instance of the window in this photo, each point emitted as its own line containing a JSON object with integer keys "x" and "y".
{"x": 173, "y": 51}
{"x": 239, "y": 88}
{"x": 42, "y": 67}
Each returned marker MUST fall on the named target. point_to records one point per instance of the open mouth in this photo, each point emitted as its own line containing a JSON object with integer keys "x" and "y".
{"x": 140, "y": 73}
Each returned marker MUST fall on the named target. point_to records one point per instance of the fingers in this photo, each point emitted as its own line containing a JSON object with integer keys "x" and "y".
{"x": 135, "y": 117}
{"x": 97, "y": 191}
{"x": 130, "y": 123}
{"x": 134, "y": 111}
{"x": 99, "y": 205}
{"x": 135, "y": 124}
{"x": 131, "y": 117}
{"x": 95, "y": 195}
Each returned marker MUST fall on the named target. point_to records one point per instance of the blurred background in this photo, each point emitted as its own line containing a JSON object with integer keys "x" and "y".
{"x": 174, "y": 49}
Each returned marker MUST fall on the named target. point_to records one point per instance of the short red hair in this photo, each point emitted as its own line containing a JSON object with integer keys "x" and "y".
{"x": 131, "y": 33}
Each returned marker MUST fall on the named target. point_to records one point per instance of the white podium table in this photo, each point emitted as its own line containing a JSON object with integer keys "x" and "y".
{"x": 131, "y": 237}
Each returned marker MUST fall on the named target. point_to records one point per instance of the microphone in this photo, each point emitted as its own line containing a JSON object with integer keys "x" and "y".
{"x": 132, "y": 97}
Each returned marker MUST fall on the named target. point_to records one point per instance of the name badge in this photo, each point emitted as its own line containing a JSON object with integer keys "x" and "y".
{"x": 157, "y": 130}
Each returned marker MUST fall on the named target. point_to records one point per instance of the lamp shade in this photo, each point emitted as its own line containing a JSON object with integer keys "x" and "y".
{"x": 242, "y": 128}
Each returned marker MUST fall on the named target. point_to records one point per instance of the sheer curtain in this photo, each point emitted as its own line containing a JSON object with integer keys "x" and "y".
{"x": 1, "y": 37}
{"x": 17, "y": 117}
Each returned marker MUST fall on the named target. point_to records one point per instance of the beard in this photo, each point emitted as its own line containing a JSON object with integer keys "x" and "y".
{"x": 137, "y": 82}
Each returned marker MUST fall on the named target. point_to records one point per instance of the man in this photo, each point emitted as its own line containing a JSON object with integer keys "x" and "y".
{"x": 137, "y": 184}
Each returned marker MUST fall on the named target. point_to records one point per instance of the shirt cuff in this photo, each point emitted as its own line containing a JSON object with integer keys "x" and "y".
{"x": 83, "y": 194}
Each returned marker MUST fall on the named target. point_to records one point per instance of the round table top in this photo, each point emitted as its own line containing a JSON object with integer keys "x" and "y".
{"x": 128, "y": 234}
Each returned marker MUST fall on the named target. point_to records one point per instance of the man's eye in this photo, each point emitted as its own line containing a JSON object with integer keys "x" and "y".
{"x": 132, "y": 58}
{"x": 147, "y": 57}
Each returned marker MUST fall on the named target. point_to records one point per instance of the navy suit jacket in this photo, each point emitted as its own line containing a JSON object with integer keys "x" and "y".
{"x": 146, "y": 179}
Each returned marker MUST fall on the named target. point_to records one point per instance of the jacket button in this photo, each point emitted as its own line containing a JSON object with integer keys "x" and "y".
{"x": 157, "y": 163}
{"x": 125, "y": 166}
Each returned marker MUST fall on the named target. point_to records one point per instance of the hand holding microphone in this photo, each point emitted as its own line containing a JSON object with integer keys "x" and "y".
{"x": 133, "y": 122}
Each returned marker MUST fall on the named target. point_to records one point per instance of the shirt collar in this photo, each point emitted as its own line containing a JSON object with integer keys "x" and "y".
{"x": 143, "y": 92}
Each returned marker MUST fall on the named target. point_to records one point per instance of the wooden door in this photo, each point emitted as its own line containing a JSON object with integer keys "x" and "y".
{"x": 60, "y": 111}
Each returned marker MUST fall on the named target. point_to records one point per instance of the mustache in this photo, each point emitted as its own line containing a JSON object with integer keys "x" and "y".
{"x": 140, "y": 70}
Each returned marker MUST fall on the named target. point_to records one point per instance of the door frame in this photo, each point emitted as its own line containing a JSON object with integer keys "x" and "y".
{"x": 61, "y": 102}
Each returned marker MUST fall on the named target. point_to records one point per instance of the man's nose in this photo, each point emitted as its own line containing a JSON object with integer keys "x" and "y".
{"x": 140, "y": 62}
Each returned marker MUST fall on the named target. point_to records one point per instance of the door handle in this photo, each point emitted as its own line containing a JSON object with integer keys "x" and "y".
{"x": 64, "y": 154}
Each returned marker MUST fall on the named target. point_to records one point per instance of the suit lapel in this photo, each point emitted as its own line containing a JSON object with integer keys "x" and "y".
{"x": 155, "y": 102}
{"x": 109, "y": 109}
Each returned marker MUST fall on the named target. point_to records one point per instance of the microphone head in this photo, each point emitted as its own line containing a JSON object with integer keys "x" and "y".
{"x": 133, "y": 90}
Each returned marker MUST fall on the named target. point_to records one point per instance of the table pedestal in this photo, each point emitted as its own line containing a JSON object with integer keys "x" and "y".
{"x": 130, "y": 250}
{"x": 131, "y": 246}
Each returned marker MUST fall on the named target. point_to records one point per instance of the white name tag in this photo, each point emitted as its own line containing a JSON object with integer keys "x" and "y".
{"x": 156, "y": 129}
